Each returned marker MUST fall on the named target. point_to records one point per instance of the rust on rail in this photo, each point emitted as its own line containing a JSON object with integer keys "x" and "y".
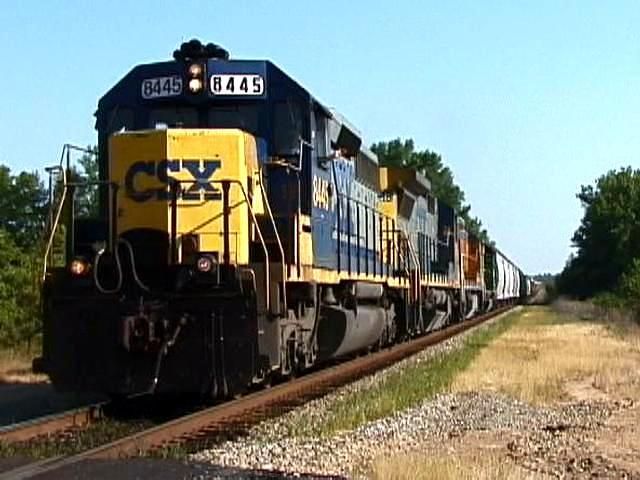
{"x": 50, "y": 424}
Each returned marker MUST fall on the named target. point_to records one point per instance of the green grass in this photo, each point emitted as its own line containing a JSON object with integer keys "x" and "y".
{"x": 72, "y": 442}
{"x": 177, "y": 452}
{"x": 403, "y": 389}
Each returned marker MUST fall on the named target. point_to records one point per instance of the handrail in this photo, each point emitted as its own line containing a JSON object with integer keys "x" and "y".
{"x": 415, "y": 259}
{"x": 275, "y": 230}
{"x": 54, "y": 227}
{"x": 66, "y": 149}
{"x": 402, "y": 255}
{"x": 255, "y": 222}
{"x": 264, "y": 245}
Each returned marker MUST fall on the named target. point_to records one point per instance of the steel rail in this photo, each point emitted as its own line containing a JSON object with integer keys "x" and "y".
{"x": 49, "y": 424}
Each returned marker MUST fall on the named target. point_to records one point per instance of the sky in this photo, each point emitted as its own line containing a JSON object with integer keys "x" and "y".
{"x": 525, "y": 101}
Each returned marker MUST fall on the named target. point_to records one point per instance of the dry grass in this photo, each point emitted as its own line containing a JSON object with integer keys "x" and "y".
{"x": 546, "y": 352}
{"x": 619, "y": 318}
{"x": 485, "y": 466}
{"x": 403, "y": 388}
{"x": 15, "y": 367}
{"x": 548, "y": 355}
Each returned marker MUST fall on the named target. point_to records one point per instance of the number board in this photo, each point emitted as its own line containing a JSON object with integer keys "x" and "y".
{"x": 234, "y": 84}
{"x": 160, "y": 87}
{"x": 321, "y": 193}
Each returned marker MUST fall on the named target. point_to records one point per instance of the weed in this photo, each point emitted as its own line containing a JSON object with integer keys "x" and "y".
{"x": 405, "y": 388}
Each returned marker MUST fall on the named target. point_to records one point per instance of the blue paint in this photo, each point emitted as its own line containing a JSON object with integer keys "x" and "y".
{"x": 351, "y": 216}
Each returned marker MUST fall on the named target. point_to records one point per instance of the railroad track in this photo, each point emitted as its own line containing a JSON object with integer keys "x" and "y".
{"x": 53, "y": 423}
{"x": 237, "y": 415}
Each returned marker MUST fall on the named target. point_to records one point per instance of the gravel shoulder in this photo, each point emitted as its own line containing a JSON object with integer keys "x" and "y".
{"x": 481, "y": 432}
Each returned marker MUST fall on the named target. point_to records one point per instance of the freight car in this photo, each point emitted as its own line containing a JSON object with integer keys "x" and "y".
{"x": 245, "y": 232}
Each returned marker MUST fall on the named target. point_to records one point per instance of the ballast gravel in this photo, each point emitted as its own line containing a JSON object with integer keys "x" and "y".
{"x": 270, "y": 445}
{"x": 315, "y": 412}
{"x": 548, "y": 441}
{"x": 443, "y": 417}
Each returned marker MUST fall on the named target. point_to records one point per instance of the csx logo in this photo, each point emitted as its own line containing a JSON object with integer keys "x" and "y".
{"x": 200, "y": 181}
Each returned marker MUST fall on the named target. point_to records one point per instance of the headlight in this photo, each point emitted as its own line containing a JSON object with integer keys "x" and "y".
{"x": 78, "y": 267}
{"x": 195, "y": 85}
{"x": 195, "y": 76}
{"x": 195, "y": 70}
{"x": 204, "y": 264}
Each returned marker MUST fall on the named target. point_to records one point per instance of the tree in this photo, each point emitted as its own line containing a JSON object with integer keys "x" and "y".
{"x": 629, "y": 285}
{"x": 608, "y": 238}
{"x": 23, "y": 210}
{"x": 474, "y": 225}
{"x": 19, "y": 295}
{"x": 399, "y": 153}
{"x": 23, "y": 205}
{"x": 86, "y": 198}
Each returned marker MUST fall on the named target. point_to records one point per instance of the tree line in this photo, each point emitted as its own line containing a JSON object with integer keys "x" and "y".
{"x": 24, "y": 205}
{"x": 606, "y": 263}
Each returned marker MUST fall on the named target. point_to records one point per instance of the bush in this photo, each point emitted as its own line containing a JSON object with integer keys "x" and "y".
{"x": 629, "y": 287}
{"x": 19, "y": 293}
{"x": 609, "y": 300}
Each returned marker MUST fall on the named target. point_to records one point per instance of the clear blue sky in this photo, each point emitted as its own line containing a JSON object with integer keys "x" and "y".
{"x": 525, "y": 101}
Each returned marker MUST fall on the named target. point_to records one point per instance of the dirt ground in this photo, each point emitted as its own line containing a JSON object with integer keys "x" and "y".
{"x": 15, "y": 368}
{"x": 553, "y": 359}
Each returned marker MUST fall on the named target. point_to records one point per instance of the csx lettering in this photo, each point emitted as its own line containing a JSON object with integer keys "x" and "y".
{"x": 200, "y": 182}
{"x": 321, "y": 193}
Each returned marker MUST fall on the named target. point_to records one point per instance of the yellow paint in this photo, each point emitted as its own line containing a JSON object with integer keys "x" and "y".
{"x": 394, "y": 178}
{"x": 389, "y": 210}
{"x": 306, "y": 240}
{"x": 389, "y": 207}
{"x": 233, "y": 149}
{"x": 384, "y": 179}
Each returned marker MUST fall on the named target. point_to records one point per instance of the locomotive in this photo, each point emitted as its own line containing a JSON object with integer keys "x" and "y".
{"x": 245, "y": 233}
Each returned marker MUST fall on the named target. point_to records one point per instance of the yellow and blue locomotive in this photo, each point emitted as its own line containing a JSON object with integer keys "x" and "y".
{"x": 245, "y": 232}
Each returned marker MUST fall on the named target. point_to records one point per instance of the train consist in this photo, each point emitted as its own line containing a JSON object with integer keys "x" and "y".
{"x": 246, "y": 232}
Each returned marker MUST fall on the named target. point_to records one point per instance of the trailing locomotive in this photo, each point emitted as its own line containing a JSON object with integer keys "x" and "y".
{"x": 244, "y": 233}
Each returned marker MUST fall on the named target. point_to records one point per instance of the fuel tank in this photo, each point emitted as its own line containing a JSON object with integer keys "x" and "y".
{"x": 342, "y": 331}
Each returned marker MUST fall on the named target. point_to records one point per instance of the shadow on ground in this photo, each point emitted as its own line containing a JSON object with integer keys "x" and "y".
{"x": 24, "y": 401}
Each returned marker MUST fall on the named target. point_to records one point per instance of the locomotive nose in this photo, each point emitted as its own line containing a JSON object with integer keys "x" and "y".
{"x": 173, "y": 187}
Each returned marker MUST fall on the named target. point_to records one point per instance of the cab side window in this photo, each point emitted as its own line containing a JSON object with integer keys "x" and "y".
{"x": 287, "y": 128}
